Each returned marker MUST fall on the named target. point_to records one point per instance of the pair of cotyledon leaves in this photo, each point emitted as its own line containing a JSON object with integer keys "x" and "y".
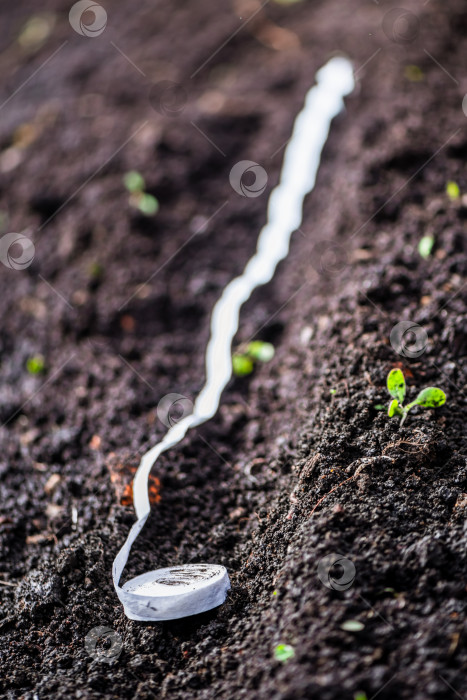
{"x": 431, "y": 397}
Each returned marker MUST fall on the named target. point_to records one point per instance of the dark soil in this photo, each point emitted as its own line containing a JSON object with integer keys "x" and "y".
{"x": 119, "y": 304}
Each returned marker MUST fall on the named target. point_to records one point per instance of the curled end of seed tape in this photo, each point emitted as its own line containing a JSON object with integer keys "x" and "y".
{"x": 175, "y": 592}
{"x": 179, "y": 591}
{"x": 169, "y": 593}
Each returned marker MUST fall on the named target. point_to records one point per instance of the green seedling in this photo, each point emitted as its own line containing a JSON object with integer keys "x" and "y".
{"x": 431, "y": 397}
{"x": 352, "y": 626}
{"x": 257, "y": 351}
{"x": 95, "y": 270}
{"x": 134, "y": 182}
{"x": 146, "y": 203}
{"x": 242, "y": 365}
{"x": 413, "y": 73}
{"x": 36, "y": 31}
{"x": 284, "y": 652}
{"x": 425, "y": 246}
{"x": 35, "y": 365}
{"x": 453, "y": 190}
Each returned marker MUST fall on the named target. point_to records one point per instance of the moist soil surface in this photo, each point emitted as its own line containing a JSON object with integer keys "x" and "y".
{"x": 301, "y": 462}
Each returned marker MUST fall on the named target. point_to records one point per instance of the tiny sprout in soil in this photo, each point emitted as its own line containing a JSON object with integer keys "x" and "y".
{"x": 241, "y": 365}
{"x": 134, "y": 182}
{"x": 95, "y": 271}
{"x": 35, "y": 365}
{"x": 425, "y": 246}
{"x": 352, "y": 626}
{"x": 146, "y": 203}
{"x": 257, "y": 351}
{"x": 453, "y": 190}
{"x": 413, "y": 73}
{"x": 284, "y": 652}
{"x": 431, "y": 397}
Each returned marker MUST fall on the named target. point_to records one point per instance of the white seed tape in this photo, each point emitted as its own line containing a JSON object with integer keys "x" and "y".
{"x": 179, "y": 591}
